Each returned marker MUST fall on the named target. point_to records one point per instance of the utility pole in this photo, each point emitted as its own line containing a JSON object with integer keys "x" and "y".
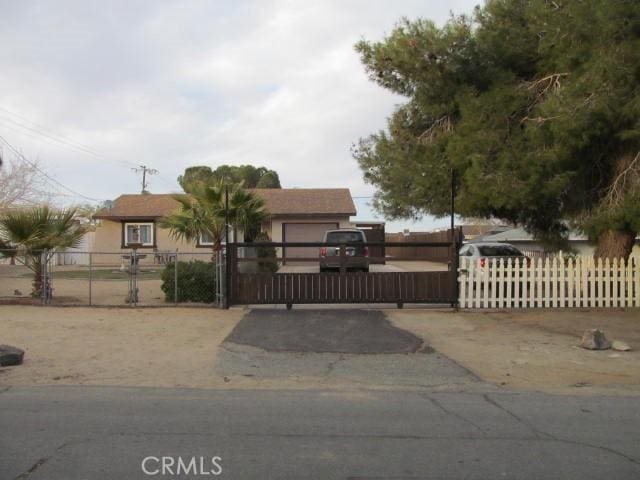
{"x": 145, "y": 170}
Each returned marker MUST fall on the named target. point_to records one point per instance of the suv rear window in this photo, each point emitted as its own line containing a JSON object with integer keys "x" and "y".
{"x": 499, "y": 251}
{"x": 345, "y": 237}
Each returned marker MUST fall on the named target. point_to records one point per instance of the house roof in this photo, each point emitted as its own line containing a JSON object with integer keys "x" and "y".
{"x": 278, "y": 202}
{"x": 307, "y": 201}
{"x": 473, "y": 230}
{"x": 521, "y": 235}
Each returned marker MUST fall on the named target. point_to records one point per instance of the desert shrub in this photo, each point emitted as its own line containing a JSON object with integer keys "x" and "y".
{"x": 196, "y": 282}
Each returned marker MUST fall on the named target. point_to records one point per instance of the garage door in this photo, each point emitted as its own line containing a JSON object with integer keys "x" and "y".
{"x": 304, "y": 232}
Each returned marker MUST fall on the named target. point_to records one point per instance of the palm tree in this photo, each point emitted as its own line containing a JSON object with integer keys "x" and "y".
{"x": 202, "y": 213}
{"x": 28, "y": 233}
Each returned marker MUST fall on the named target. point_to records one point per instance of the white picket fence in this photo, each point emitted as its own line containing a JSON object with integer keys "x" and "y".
{"x": 549, "y": 283}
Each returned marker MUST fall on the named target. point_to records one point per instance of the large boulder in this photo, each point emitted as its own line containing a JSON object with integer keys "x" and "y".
{"x": 10, "y": 356}
{"x": 594, "y": 339}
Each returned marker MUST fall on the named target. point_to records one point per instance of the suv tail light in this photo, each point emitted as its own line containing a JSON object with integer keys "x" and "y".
{"x": 366, "y": 251}
{"x": 483, "y": 262}
{"x": 323, "y": 251}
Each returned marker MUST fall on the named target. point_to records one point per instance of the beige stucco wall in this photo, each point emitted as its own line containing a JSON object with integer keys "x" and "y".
{"x": 108, "y": 241}
{"x": 276, "y": 224}
{"x": 275, "y": 229}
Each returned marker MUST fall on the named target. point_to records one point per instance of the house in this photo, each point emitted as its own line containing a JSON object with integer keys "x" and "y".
{"x": 296, "y": 215}
{"x": 524, "y": 241}
{"x": 520, "y": 238}
{"x": 476, "y": 230}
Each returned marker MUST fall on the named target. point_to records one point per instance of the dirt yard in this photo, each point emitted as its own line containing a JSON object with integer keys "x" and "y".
{"x": 109, "y": 286}
{"x": 165, "y": 347}
{"x": 181, "y": 347}
{"x": 534, "y": 350}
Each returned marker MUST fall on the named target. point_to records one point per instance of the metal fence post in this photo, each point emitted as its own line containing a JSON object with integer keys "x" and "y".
{"x": 43, "y": 276}
{"x": 135, "y": 277}
{"x": 175, "y": 279}
{"x": 454, "y": 245}
{"x": 220, "y": 276}
{"x": 229, "y": 258}
{"x": 343, "y": 259}
{"x": 454, "y": 267}
{"x": 90, "y": 275}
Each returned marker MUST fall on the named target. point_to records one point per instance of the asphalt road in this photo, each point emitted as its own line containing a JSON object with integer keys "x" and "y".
{"x": 92, "y": 433}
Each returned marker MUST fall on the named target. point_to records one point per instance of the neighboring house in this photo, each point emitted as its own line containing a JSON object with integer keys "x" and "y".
{"x": 475, "y": 230}
{"x": 296, "y": 215}
{"x": 524, "y": 241}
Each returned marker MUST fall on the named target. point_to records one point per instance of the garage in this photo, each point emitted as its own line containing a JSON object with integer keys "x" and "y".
{"x": 303, "y": 232}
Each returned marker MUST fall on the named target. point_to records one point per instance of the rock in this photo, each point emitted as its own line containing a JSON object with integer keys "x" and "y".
{"x": 10, "y": 356}
{"x": 17, "y": 293}
{"x": 620, "y": 346}
{"x": 594, "y": 339}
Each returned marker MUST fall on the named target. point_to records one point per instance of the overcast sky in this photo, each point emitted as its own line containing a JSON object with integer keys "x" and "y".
{"x": 170, "y": 84}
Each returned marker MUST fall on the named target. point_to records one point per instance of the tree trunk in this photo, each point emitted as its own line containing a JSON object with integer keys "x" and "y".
{"x": 615, "y": 244}
{"x": 36, "y": 268}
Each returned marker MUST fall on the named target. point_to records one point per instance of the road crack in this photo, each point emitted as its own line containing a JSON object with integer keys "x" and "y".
{"x": 538, "y": 433}
{"x": 42, "y": 461}
{"x": 455, "y": 414}
{"x": 331, "y": 365}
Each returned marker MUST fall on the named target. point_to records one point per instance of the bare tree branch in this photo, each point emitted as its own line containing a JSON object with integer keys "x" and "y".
{"x": 626, "y": 180}
{"x": 438, "y": 127}
{"x": 21, "y": 184}
{"x": 545, "y": 85}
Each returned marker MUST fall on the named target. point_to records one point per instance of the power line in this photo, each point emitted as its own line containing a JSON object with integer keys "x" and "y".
{"x": 44, "y": 174}
{"x": 145, "y": 171}
{"x": 165, "y": 181}
{"x": 51, "y": 135}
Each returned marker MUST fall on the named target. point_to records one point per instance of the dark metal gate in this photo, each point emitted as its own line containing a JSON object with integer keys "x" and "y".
{"x": 257, "y": 275}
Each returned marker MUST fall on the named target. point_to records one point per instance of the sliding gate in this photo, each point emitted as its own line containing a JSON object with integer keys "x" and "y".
{"x": 410, "y": 272}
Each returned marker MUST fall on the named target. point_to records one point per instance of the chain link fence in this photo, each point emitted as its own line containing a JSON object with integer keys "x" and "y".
{"x": 123, "y": 278}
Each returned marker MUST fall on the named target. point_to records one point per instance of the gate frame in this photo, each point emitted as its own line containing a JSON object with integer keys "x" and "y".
{"x": 232, "y": 260}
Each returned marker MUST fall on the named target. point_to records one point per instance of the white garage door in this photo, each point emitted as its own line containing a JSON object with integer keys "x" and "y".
{"x": 304, "y": 232}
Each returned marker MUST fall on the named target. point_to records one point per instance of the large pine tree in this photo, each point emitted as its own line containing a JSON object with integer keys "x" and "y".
{"x": 534, "y": 104}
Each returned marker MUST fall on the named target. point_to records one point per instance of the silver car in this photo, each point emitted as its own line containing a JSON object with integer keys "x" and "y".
{"x": 485, "y": 251}
{"x": 356, "y": 257}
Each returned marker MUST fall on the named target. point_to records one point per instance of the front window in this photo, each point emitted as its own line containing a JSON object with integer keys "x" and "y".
{"x": 206, "y": 239}
{"x": 140, "y": 233}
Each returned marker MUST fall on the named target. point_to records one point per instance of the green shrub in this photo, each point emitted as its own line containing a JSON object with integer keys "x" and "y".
{"x": 267, "y": 255}
{"x": 196, "y": 282}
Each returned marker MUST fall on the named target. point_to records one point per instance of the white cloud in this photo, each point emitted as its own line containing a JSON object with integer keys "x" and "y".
{"x": 173, "y": 84}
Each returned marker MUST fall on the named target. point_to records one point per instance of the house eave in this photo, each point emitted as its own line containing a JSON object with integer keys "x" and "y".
{"x": 120, "y": 218}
